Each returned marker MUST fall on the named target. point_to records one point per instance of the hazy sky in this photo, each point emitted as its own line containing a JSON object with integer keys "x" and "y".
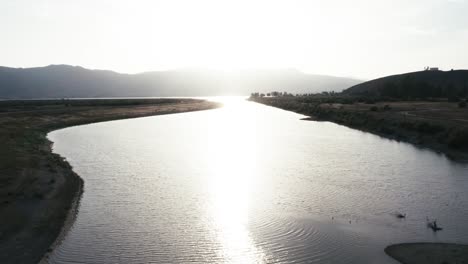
{"x": 359, "y": 38}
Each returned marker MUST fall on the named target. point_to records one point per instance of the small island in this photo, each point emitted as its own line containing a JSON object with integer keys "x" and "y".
{"x": 428, "y": 253}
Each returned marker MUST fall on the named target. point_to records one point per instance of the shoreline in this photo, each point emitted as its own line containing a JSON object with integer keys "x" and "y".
{"x": 68, "y": 223}
{"x": 39, "y": 191}
{"x": 442, "y": 136}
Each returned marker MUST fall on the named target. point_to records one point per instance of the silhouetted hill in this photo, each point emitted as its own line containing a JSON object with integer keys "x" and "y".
{"x": 64, "y": 81}
{"x": 423, "y": 84}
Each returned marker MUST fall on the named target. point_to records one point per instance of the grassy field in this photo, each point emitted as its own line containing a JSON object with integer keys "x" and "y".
{"x": 37, "y": 187}
{"x": 438, "y": 125}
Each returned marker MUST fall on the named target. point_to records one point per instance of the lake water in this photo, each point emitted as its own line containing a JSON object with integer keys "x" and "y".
{"x": 248, "y": 183}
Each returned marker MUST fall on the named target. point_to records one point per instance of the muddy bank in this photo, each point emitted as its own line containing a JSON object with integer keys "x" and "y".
{"x": 428, "y": 253}
{"x": 39, "y": 188}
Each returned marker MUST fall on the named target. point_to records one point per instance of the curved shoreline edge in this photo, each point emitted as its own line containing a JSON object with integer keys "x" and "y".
{"x": 39, "y": 191}
{"x": 68, "y": 223}
{"x": 428, "y": 253}
{"x": 396, "y": 124}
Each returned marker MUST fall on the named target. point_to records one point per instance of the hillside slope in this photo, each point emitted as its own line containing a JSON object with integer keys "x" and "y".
{"x": 416, "y": 85}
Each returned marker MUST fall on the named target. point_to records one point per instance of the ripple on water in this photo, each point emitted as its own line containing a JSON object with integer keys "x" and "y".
{"x": 251, "y": 184}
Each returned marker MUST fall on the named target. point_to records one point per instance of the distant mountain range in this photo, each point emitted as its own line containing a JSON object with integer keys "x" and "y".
{"x": 422, "y": 84}
{"x": 64, "y": 81}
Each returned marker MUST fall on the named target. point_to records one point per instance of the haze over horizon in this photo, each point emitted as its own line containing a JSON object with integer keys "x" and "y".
{"x": 363, "y": 39}
{"x": 188, "y": 69}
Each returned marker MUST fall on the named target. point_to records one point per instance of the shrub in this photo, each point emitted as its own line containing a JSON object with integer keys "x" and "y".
{"x": 458, "y": 139}
{"x": 428, "y": 128}
{"x": 39, "y": 196}
{"x": 462, "y": 104}
{"x": 387, "y": 130}
{"x": 453, "y": 99}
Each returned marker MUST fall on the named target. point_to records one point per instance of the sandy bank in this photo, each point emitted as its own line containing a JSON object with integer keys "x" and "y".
{"x": 37, "y": 187}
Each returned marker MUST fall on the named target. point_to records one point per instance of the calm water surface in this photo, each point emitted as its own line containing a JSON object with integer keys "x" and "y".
{"x": 248, "y": 183}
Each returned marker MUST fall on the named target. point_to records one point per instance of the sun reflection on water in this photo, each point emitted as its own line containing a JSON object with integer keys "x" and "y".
{"x": 232, "y": 181}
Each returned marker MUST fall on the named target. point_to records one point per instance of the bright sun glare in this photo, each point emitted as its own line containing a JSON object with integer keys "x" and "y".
{"x": 232, "y": 175}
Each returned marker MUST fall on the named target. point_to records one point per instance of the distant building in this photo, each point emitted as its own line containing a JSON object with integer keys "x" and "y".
{"x": 431, "y": 68}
